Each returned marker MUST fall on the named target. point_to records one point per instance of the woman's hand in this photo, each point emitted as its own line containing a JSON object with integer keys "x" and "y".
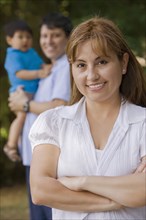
{"x": 76, "y": 183}
{"x": 72, "y": 183}
{"x": 17, "y": 100}
{"x": 142, "y": 166}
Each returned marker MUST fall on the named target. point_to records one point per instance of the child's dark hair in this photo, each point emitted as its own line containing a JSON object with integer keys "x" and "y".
{"x": 57, "y": 20}
{"x": 17, "y": 25}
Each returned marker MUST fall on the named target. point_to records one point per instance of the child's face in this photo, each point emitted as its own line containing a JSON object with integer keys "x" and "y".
{"x": 21, "y": 40}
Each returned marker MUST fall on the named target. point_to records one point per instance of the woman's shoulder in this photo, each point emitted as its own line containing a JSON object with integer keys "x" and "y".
{"x": 53, "y": 118}
{"x": 135, "y": 112}
{"x": 57, "y": 112}
{"x": 62, "y": 112}
{"x": 135, "y": 107}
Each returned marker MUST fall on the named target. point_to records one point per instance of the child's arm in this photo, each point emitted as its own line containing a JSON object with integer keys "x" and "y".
{"x": 34, "y": 74}
{"x": 47, "y": 67}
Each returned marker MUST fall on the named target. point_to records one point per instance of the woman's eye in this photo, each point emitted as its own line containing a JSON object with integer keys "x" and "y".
{"x": 102, "y": 62}
{"x": 80, "y": 65}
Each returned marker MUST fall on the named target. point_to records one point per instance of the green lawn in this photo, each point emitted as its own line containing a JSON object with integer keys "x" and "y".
{"x": 13, "y": 203}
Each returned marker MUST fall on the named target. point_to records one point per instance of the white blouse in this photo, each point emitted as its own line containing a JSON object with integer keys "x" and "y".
{"x": 67, "y": 127}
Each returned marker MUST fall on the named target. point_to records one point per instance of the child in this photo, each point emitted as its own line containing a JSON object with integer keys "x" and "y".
{"x": 24, "y": 67}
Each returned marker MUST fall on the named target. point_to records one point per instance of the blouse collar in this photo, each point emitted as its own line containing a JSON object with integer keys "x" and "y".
{"x": 129, "y": 113}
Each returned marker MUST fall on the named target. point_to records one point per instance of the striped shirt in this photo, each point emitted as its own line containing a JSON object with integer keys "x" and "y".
{"x": 67, "y": 127}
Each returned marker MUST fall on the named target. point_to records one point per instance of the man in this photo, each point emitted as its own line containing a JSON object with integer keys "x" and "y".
{"x": 53, "y": 91}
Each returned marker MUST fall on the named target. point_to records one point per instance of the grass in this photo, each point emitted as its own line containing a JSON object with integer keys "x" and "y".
{"x": 13, "y": 203}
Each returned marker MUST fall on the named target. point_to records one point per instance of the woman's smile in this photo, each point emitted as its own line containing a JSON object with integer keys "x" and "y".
{"x": 96, "y": 86}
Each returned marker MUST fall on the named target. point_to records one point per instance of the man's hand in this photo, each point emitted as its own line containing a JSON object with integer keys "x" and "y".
{"x": 17, "y": 100}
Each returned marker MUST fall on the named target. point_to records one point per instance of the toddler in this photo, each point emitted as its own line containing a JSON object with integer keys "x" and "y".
{"x": 24, "y": 67}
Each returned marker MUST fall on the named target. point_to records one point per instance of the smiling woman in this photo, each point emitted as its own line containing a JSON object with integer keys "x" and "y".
{"x": 92, "y": 153}
{"x": 98, "y": 76}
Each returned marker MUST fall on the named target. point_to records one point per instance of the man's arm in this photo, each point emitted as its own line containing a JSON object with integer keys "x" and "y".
{"x": 38, "y": 107}
{"x": 19, "y": 98}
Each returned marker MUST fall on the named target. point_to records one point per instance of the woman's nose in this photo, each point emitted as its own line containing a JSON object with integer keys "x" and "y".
{"x": 92, "y": 74}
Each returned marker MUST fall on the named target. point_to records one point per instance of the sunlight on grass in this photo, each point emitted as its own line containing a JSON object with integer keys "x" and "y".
{"x": 13, "y": 203}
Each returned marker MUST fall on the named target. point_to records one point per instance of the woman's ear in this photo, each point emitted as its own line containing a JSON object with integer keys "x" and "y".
{"x": 125, "y": 62}
{"x": 9, "y": 40}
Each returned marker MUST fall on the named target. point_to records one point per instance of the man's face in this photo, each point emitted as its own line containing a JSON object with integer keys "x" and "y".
{"x": 52, "y": 42}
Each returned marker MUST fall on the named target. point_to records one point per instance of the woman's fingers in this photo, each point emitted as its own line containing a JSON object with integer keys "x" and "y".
{"x": 142, "y": 166}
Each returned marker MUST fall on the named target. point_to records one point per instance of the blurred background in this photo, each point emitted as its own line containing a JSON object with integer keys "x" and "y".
{"x": 129, "y": 15}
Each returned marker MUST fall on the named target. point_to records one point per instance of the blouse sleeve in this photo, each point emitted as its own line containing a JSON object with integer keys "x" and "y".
{"x": 45, "y": 129}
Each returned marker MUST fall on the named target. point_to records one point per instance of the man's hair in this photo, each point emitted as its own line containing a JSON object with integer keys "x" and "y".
{"x": 57, "y": 20}
{"x": 17, "y": 25}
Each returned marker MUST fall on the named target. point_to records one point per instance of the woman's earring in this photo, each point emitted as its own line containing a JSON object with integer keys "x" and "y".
{"x": 124, "y": 71}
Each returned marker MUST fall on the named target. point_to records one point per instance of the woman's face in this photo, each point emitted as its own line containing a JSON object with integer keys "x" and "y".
{"x": 52, "y": 42}
{"x": 98, "y": 77}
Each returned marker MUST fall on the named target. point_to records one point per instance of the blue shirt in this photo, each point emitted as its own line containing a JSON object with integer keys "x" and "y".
{"x": 17, "y": 60}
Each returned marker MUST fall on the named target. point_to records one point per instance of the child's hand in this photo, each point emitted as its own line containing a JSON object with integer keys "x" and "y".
{"x": 142, "y": 166}
{"x": 45, "y": 71}
{"x": 47, "y": 67}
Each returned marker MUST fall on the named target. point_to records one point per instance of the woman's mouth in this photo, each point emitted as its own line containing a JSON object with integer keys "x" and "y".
{"x": 96, "y": 86}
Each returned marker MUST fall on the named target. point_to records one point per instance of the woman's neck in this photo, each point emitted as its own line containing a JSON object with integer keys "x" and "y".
{"x": 103, "y": 109}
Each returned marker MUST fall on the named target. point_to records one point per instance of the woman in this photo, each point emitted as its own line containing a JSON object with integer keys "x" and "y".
{"x": 88, "y": 152}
